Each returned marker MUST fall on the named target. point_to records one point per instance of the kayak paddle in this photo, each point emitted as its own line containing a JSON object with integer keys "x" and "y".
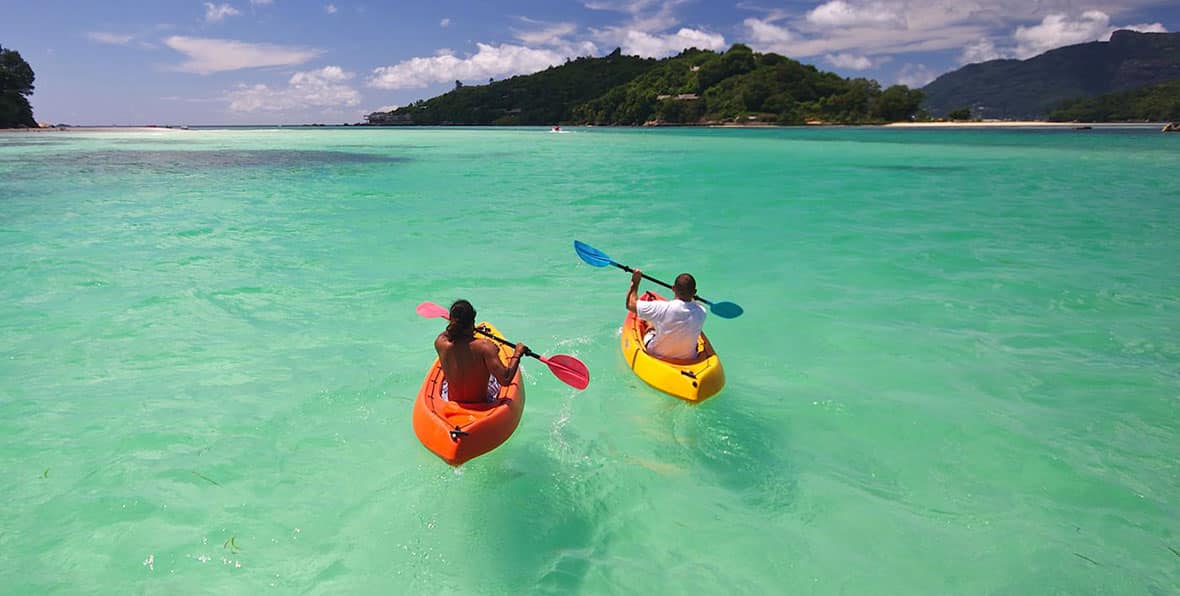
{"x": 570, "y": 370}
{"x": 595, "y": 257}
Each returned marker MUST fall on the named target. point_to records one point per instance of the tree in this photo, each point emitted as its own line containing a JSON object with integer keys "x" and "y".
{"x": 897, "y": 103}
{"x": 959, "y": 114}
{"x": 16, "y": 82}
{"x": 1152, "y": 103}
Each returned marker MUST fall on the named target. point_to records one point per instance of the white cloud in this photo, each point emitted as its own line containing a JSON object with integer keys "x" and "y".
{"x": 658, "y": 45}
{"x": 850, "y": 61}
{"x": 489, "y": 61}
{"x": 645, "y": 15}
{"x": 1057, "y": 30}
{"x": 554, "y": 36}
{"x": 980, "y": 51}
{"x": 206, "y": 55}
{"x": 549, "y": 35}
{"x": 839, "y": 13}
{"x": 766, "y": 33}
{"x": 444, "y": 23}
{"x": 110, "y": 38}
{"x": 261, "y": 2}
{"x": 318, "y": 89}
{"x": 214, "y": 13}
{"x": 888, "y": 27}
{"x": 330, "y": 9}
{"x": 915, "y": 76}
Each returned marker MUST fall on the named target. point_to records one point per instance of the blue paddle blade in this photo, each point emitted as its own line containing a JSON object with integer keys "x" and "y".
{"x": 591, "y": 255}
{"x": 726, "y": 310}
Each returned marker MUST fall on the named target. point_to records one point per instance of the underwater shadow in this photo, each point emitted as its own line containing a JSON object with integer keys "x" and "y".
{"x": 738, "y": 449}
{"x": 536, "y": 523}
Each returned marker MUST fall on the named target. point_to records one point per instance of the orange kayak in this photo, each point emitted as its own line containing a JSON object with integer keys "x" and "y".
{"x": 460, "y": 432}
{"x": 692, "y": 380}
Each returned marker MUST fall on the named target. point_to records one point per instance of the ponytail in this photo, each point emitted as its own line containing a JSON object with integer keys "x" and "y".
{"x": 462, "y": 325}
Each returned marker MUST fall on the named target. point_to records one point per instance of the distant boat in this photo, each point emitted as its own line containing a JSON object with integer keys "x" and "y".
{"x": 1083, "y": 128}
{"x": 1171, "y": 127}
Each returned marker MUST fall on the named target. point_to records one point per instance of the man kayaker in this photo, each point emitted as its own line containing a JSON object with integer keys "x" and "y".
{"x": 472, "y": 370}
{"x": 676, "y": 324}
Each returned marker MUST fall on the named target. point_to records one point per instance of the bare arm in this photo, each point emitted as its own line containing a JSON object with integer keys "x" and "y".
{"x": 633, "y": 293}
{"x": 504, "y": 374}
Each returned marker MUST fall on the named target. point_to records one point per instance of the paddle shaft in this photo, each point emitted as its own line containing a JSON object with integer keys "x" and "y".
{"x": 654, "y": 280}
{"x": 527, "y": 351}
{"x": 568, "y": 369}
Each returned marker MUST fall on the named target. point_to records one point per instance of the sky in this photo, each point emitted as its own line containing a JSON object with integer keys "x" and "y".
{"x": 186, "y": 62}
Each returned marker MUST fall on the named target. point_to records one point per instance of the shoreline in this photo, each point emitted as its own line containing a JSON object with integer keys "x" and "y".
{"x": 96, "y": 129}
{"x": 959, "y": 124}
{"x": 1020, "y": 123}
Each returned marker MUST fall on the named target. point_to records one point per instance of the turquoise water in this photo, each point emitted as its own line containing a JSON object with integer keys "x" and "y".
{"x": 958, "y": 371}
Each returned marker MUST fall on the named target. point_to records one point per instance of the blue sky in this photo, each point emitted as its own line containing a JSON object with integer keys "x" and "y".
{"x": 288, "y": 61}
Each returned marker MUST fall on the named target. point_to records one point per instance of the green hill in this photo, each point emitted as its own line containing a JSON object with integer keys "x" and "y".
{"x": 542, "y": 98}
{"x": 695, "y": 87}
{"x": 1153, "y": 103}
{"x": 1032, "y": 88}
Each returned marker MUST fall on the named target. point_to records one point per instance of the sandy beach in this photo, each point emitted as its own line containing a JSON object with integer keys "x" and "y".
{"x": 992, "y": 123}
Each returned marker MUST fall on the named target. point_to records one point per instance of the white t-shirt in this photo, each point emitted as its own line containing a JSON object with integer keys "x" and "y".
{"x": 677, "y": 324}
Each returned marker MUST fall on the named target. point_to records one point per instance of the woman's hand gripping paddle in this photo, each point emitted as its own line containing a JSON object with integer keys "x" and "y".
{"x": 570, "y": 370}
{"x": 595, "y": 257}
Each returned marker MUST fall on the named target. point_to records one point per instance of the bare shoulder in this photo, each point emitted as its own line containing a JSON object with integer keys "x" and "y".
{"x": 485, "y": 346}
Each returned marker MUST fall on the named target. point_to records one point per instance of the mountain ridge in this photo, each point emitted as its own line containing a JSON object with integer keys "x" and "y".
{"x": 1031, "y": 88}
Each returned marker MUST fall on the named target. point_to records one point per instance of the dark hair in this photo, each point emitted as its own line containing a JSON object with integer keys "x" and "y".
{"x": 462, "y": 320}
{"x": 685, "y": 286}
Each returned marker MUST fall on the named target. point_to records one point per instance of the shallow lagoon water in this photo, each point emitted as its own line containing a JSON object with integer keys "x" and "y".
{"x": 958, "y": 371}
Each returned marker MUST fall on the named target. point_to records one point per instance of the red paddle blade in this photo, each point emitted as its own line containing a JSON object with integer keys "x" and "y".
{"x": 431, "y": 310}
{"x": 570, "y": 370}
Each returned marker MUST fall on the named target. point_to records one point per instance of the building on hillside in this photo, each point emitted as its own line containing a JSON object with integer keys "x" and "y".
{"x": 385, "y": 118}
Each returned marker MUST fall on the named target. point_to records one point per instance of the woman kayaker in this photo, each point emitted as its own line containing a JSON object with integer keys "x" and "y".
{"x": 472, "y": 370}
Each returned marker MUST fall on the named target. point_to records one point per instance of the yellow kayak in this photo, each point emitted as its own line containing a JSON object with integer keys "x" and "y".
{"x": 692, "y": 380}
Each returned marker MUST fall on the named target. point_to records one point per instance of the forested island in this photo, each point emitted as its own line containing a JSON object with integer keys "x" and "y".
{"x": 16, "y": 84}
{"x": 696, "y": 87}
